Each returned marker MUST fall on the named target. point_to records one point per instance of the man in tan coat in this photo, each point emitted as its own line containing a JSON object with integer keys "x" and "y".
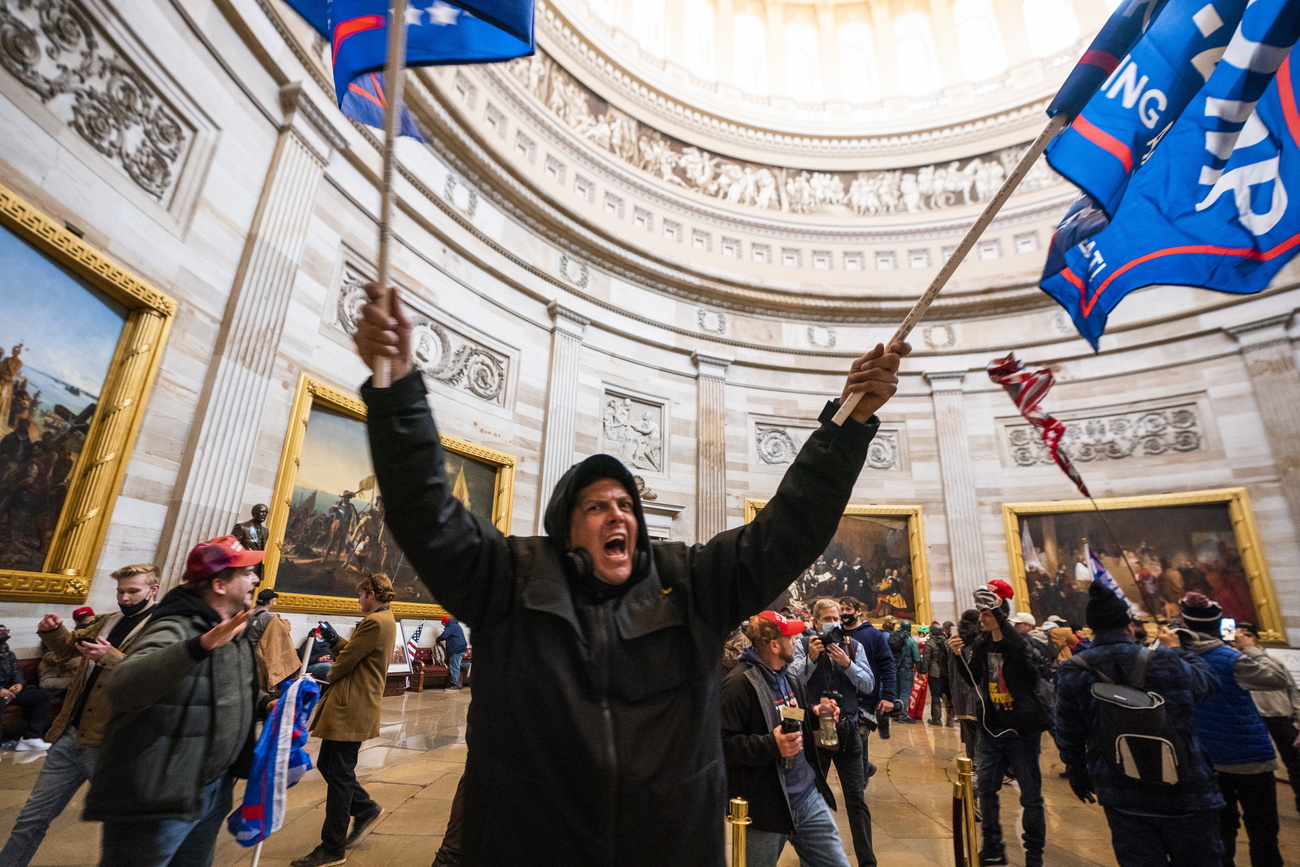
{"x": 349, "y": 714}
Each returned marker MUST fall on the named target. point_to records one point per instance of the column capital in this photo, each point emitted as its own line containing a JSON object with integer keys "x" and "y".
{"x": 712, "y": 366}
{"x": 946, "y": 380}
{"x": 566, "y": 320}
{"x": 309, "y": 123}
{"x": 1262, "y": 332}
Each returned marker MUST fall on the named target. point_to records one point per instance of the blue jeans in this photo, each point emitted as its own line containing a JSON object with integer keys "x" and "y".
{"x": 164, "y": 842}
{"x": 1020, "y": 754}
{"x": 453, "y": 668}
{"x": 815, "y": 838}
{"x": 1153, "y": 841}
{"x": 67, "y": 766}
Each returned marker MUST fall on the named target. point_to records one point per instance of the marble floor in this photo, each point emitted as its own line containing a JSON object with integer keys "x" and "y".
{"x": 412, "y": 769}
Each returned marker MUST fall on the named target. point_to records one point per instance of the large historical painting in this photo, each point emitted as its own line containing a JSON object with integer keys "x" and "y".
{"x": 1162, "y": 547}
{"x": 876, "y": 556}
{"x": 328, "y": 524}
{"x": 79, "y": 334}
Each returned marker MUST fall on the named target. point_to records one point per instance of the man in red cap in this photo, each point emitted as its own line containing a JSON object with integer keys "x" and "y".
{"x": 775, "y": 767}
{"x": 453, "y": 643}
{"x": 184, "y": 702}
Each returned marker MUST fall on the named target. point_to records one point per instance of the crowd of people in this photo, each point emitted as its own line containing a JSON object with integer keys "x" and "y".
{"x": 604, "y": 729}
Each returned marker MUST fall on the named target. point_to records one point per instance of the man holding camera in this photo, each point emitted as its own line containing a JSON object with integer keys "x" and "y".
{"x": 833, "y": 665}
{"x": 769, "y": 762}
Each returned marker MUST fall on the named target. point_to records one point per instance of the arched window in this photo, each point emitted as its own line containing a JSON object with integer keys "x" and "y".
{"x": 918, "y": 69}
{"x": 859, "y": 79}
{"x": 749, "y": 52}
{"x": 803, "y": 78}
{"x": 602, "y": 9}
{"x": 979, "y": 47}
{"x": 1050, "y": 25}
{"x": 648, "y": 25}
{"x": 697, "y": 38}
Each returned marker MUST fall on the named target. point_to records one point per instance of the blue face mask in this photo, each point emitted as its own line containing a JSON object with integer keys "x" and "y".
{"x": 827, "y": 627}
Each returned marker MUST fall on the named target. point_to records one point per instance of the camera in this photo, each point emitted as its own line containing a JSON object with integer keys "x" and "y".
{"x": 834, "y": 636}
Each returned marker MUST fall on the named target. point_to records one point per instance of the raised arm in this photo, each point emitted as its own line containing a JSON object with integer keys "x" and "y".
{"x": 461, "y": 557}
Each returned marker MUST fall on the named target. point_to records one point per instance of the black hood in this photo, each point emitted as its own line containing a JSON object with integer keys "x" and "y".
{"x": 559, "y": 511}
{"x": 185, "y": 600}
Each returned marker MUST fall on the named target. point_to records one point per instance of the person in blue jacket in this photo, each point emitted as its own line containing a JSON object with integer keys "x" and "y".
{"x": 453, "y": 642}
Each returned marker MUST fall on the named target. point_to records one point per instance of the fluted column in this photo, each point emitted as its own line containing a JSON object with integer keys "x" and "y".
{"x": 561, "y": 429}
{"x": 711, "y": 446}
{"x": 224, "y": 436}
{"x": 961, "y": 506}
{"x": 1270, "y": 362}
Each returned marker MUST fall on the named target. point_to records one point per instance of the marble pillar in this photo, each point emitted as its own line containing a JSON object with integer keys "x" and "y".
{"x": 711, "y": 446}
{"x": 560, "y": 436}
{"x": 961, "y": 506}
{"x": 224, "y": 435}
{"x": 1269, "y": 355}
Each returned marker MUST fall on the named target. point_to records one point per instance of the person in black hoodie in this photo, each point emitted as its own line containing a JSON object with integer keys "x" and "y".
{"x": 593, "y": 736}
{"x": 1013, "y": 716}
{"x": 185, "y": 701}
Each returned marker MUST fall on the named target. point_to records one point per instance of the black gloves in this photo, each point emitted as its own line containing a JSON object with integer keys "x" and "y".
{"x": 328, "y": 635}
{"x": 1081, "y": 783}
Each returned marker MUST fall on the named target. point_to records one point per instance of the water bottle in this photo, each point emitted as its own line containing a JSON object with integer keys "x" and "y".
{"x": 827, "y": 737}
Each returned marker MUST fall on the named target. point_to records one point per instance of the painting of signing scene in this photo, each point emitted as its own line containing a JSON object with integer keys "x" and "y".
{"x": 58, "y": 337}
{"x": 1157, "y": 548}
{"x": 334, "y": 529}
{"x": 877, "y": 556}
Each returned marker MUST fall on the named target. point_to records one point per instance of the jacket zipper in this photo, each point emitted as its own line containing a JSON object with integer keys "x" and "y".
{"x": 612, "y": 757}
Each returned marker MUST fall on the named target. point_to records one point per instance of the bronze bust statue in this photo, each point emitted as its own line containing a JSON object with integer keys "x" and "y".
{"x": 252, "y": 533}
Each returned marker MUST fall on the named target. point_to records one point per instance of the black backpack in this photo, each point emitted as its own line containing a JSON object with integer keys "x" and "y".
{"x": 1134, "y": 729}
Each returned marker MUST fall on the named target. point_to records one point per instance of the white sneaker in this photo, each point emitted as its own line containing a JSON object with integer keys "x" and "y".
{"x": 33, "y": 744}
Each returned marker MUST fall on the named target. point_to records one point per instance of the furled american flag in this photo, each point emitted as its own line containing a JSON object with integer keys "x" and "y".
{"x": 414, "y": 642}
{"x": 1028, "y": 389}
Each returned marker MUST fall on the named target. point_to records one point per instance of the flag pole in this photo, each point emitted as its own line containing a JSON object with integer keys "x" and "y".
{"x": 380, "y": 368}
{"x": 1054, "y": 126}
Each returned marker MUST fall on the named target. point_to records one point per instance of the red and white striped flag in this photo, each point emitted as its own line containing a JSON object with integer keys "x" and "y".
{"x": 1027, "y": 390}
{"x": 414, "y": 642}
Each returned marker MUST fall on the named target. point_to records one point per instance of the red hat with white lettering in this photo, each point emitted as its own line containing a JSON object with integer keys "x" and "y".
{"x": 787, "y": 626}
{"x": 224, "y": 552}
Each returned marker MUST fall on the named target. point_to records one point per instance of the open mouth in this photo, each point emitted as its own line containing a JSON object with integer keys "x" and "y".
{"x": 616, "y": 546}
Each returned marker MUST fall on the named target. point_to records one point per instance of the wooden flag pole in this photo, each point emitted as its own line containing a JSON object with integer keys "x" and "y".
{"x": 1054, "y": 126}
{"x": 380, "y": 368}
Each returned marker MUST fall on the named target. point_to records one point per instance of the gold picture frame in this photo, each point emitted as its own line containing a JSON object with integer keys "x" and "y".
{"x": 919, "y": 587}
{"x": 1238, "y": 518}
{"x": 312, "y": 394}
{"x": 96, "y": 478}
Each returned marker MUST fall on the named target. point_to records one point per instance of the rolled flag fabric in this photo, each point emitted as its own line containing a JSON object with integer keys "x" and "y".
{"x": 1102, "y": 575}
{"x": 279, "y": 761}
{"x": 1028, "y": 389}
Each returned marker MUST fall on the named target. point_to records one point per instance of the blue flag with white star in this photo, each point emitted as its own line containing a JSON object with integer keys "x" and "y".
{"x": 437, "y": 33}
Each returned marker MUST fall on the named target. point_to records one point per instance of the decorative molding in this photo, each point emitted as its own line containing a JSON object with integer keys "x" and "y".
{"x": 441, "y": 353}
{"x": 711, "y": 321}
{"x": 60, "y": 53}
{"x": 631, "y": 429}
{"x": 939, "y": 336}
{"x": 777, "y": 444}
{"x": 294, "y": 100}
{"x": 461, "y": 195}
{"x": 821, "y": 336}
{"x": 849, "y": 194}
{"x": 1109, "y": 435}
{"x": 1264, "y": 332}
{"x": 574, "y": 270}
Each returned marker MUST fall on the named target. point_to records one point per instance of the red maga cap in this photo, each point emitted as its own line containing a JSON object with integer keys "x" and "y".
{"x": 86, "y": 611}
{"x": 788, "y": 627}
{"x": 210, "y": 557}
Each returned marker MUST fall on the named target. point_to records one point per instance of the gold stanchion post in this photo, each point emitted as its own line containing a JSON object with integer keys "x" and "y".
{"x": 738, "y": 819}
{"x": 966, "y": 779}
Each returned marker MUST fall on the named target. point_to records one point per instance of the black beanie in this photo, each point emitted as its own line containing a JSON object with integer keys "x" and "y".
{"x": 1105, "y": 610}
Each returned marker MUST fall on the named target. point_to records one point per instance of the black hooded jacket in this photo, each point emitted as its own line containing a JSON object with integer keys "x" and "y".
{"x": 594, "y": 734}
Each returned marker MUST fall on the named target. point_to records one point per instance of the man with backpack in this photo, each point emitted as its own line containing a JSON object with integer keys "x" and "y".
{"x": 1159, "y": 812}
{"x": 834, "y": 665}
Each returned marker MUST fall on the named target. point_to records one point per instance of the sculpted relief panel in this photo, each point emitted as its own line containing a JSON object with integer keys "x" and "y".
{"x": 631, "y": 430}
{"x": 767, "y": 188}
{"x": 777, "y": 445}
{"x": 441, "y": 353}
{"x": 57, "y": 51}
{"x": 1114, "y": 436}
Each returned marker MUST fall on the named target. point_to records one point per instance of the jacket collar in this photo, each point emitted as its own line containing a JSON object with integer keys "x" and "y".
{"x": 646, "y": 607}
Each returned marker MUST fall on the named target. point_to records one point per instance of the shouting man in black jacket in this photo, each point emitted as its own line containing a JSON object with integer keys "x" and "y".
{"x": 593, "y": 736}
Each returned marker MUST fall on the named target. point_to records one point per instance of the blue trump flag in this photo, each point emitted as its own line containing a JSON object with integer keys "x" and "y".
{"x": 1193, "y": 218}
{"x": 437, "y": 33}
{"x": 1115, "y": 39}
{"x": 279, "y": 761}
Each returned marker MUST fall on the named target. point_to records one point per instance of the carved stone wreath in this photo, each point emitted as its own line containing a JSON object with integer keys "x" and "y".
{"x": 775, "y": 445}
{"x": 1114, "y": 437}
{"x": 821, "y": 336}
{"x": 460, "y": 194}
{"x": 439, "y": 354}
{"x": 712, "y": 321}
{"x": 57, "y": 52}
{"x": 778, "y": 445}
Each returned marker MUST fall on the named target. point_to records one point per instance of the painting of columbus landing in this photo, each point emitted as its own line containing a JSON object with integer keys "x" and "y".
{"x": 335, "y": 528}
{"x": 877, "y": 556}
{"x": 1162, "y": 547}
{"x": 57, "y": 341}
